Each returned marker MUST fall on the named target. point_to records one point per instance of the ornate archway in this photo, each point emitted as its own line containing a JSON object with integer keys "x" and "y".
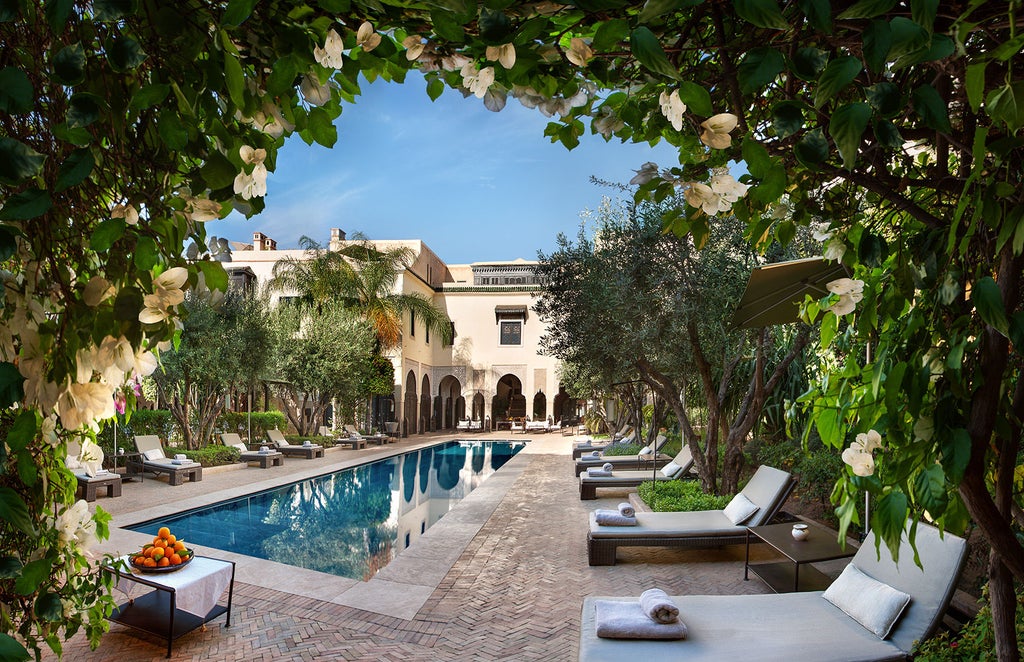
{"x": 452, "y": 404}
{"x": 409, "y": 417}
{"x": 425, "y": 408}
{"x": 508, "y": 401}
{"x": 540, "y": 406}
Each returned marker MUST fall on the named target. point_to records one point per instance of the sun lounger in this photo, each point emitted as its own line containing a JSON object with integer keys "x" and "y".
{"x": 355, "y": 443}
{"x": 802, "y": 626}
{"x": 641, "y": 461}
{"x": 266, "y": 459}
{"x": 154, "y": 461}
{"x": 279, "y": 443}
{"x": 767, "y": 489}
{"x": 679, "y": 467}
{"x": 588, "y": 446}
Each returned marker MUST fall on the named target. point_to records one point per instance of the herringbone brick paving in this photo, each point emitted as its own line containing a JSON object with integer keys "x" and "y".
{"x": 514, "y": 594}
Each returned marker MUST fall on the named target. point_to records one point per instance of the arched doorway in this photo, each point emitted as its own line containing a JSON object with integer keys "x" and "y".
{"x": 452, "y": 404}
{"x": 540, "y": 406}
{"x": 564, "y": 407}
{"x": 509, "y": 401}
{"x": 478, "y": 407}
{"x": 425, "y": 406}
{"x": 409, "y": 417}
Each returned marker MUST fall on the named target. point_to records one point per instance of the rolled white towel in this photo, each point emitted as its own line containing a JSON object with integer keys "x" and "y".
{"x": 619, "y": 619}
{"x": 595, "y": 453}
{"x": 659, "y": 606}
{"x": 627, "y": 510}
{"x": 597, "y": 471}
{"x": 607, "y": 466}
{"x": 608, "y": 517}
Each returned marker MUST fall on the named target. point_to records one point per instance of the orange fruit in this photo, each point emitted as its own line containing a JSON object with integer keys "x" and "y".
{"x": 148, "y": 552}
{"x": 158, "y": 554}
{"x": 139, "y": 560}
{"x": 150, "y": 563}
{"x": 179, "y": 546}
{"x": 163, "y": 532}
{"x": 175, "y": 559}
{"x": 170, "y": 540}
{"x": 164, "y": 562}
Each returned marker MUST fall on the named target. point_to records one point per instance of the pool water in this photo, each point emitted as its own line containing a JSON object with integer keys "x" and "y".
{"x": 350, "y": 523}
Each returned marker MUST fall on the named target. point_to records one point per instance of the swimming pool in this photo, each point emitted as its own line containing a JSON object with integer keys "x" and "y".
{"x": 350, "y": 523}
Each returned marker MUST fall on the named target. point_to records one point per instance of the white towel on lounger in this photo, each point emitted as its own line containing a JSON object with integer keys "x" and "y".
{"x": 616, "y": 619}
{"x": 627, "y": 510}
{"x": 658, "y": 606}
{"x": 597, "y": 471}
{"x": 605, "y": 517}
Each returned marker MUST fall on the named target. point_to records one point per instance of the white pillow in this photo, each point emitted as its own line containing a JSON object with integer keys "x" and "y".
{"x": 671, "y": 470}
{"x": 241, "y": 447}
{"x": 740, "y": 509}
{"x": 874, "y": 604}
{"x": 154, "y": 454}
{"x": 646, "y": 450}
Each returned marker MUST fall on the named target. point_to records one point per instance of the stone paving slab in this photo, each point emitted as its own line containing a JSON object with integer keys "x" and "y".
{"x": 514, "y": 575}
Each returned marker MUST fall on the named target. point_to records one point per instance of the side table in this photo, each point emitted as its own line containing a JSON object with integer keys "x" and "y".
{"x": 175, "y": 603}
{"x": 794, "y": 574}
{"x": 132, "y": 465}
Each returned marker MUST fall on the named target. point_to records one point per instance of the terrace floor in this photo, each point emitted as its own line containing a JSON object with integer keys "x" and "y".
{"x": 500, "y": 577}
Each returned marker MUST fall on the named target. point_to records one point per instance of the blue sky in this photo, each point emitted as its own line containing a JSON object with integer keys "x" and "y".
{"x": 473, "y": 184}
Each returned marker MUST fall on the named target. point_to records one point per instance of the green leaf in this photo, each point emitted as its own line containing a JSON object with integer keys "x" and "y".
{"x": 988, "y": 301}
{"x": 57, "y": 13}
{"x": 322, "y": 127}
{"x": 83, "y": 110}
{"x": 127, "y": 304}
{"x": 50, "y": 607}
{"x": 1009, "y": 49}
{"x": 447, "y": 27}
{"x": 23, "y": 431}
{"x": 124, "y": 54}
{"x": 872, "y": 249}
{"x": 877, "y": 39}
{"x": 237, "y": 12}
{"x": 867, "y": 9}
{"x": 888, "y": 135}
{"x": 788, "y": 118}
{"x": 930, "y": 490}
{"x": 172, "y": 132}
{"x": 33, "y": 575}
{"x": 11, "y": 650}
{"x": 282, "y": 78}
{"x": 818, "y": 13}
{"x": 696, "y": 98}
{"x": 648, "y": 52}
{"x": 234, "y": 79}
{"x": 8, "y": 241}
{"x": 1006, "y": 104}
{"x": 655, "y": 8}
{"x": 214, "y": 274}
{"x": 812, "y": 150}
{"x": 75, "y": 169}
{"x": 809, "y": 62}
{"x": 923, "y": 13}
{"x": 112, "y": 10}
{"x": 14, "y": 511}
{"x": 759, "y": 67}
{"x": 885, "y": 98}
{"x": 18, "y": 161}
{"x": 907, "y": 37}
{"x": 955, "y": 449}
{"x": 894, "y": 387}
{"x": 9, "y": 10}
{"x": 839, "y": 73}
{"x": 495, "y": 27}
{"x": 611, "y": 33}
{"x": 974, "y": 81}
{"x": 11, "y": 385}
{"x": 10, "y": 567}
{"x": 69, "y": 65}
{"x": 28, "y": 204}
{"x": 828, "y": 425}
{"x": 218, "y": 172}
{"x": 106, "y": 233}
{"x": 756, "y": 157}
{"x": 829, "y": 325}
{"x": 435, "y": 86}
{"x": 77, "y": 136}
{"x": 889, "y": 519}
{"x": 930, "y": 107}
{"x": 148, "y": 96}
{"x": 939, "y": 48}
{"x": 762, "y": 13}
{"x": 772, "y": 185}
{"x": 847, "y": 128}
{"x": 16, "y": 94}
{"x": 146, "y": 253}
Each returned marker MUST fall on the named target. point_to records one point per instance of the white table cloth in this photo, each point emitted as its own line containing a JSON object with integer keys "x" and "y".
{"x": 197, "y": 586}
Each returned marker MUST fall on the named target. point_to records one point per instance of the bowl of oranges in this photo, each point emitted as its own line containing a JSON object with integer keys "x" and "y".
{"x": 165, "y": 554}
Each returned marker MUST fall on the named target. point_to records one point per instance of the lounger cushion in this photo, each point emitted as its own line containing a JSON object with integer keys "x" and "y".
{"x": 698, "y": 523}
{"x": 241, "y": 447}
{"x": 740, "y": 509}
{"x": 646, "y": 450}
{"x": 874, "y": 604}
{"x": 154, "y": 454}
{"x": 670, "y": 470}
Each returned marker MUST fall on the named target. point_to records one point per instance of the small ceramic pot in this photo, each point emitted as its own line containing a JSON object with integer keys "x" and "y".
{"x": 800, "y": 532}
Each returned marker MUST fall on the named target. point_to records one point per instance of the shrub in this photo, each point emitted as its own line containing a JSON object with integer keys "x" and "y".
{"x": 326, "y": 442}
{"x": 261, "y": 421}
{"x": 211, "y": 455}
{"x": 679, "y": 496}
{"x": 143, "y": 421}
{"x": 974, "y": 641}
{"x": 619, "y": 449}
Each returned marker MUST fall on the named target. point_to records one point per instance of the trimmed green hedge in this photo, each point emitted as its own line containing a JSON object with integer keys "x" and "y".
{"x": 238, "y": 421}
{"x": 211, "y": 455}
{"x": 679, "y": 496}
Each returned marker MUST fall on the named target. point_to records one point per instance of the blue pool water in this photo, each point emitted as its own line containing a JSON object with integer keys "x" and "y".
{"x": 350, "y": 523}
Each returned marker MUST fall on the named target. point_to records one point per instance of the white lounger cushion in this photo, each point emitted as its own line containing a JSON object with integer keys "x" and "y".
{"x": 874, "y": 604}
{"x": 698, "y": 523}
{"x": 740, "y": 509}
{"x": 154, "y": 454}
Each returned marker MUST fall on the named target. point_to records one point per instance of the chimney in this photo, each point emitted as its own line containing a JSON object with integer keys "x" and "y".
{"x": 337, "y": 237}
{"x": 261, "y": 242}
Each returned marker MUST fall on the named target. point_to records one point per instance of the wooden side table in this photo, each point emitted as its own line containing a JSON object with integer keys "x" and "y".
{"x": 794, "y": 574}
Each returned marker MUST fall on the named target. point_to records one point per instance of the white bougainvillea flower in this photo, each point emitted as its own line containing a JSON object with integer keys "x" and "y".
{"x": 127, "y": 212}
{"x": 579, "y": 52}
{"x": 270, "y": 121}
{"x": 49, "y": 431}
{"x": 315, "y": 93}
{"x": 646, "y": 173}
{"x": 705, "y": 198}
{"x": 85, "y": 404}
{"x": 477, "y": 81}
{"x": 607, "y": 123}
{"x": 91, "y": 457}
{"x": 167, "y": 292}
{"x": 504, "y": 54}
{"x": 254, "y": 184}
{"x": 76, "y": 527}
{"x": 835, "y": 249}
{"x": 863, "y": 464}
{"x": 202, "y": 210}
{"x": 850, "y": 292}
{"x": 821, "y": 232}
{"x": 251, "y": 155}
{"x": 672, "y": 107}
{"x": 367, "y": 37}
{"x": 330, "y": 55}
{"x": 728, "y": 188}
{"x": 716, "y": 130}
{"x": 869, "y": 441}
{"x": 97, "y": 290}
{"x": 454, "y": 62}
{"x": 414, "y": 46}
{"x": 121, "y": 352}
{"x": 924, "y": 428}
{"x": 145, "y": 364}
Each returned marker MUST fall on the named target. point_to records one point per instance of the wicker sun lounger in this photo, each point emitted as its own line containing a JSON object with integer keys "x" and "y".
{"x": 265, "y": 459}
{"x": 293, "y": 450}
{"x": 801, "y": 626}
{"x": 767, "y": 489}
{"x": 154, "y": 461}
{"x": 619, "y": 462}
{"x": 678, "y": 468}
